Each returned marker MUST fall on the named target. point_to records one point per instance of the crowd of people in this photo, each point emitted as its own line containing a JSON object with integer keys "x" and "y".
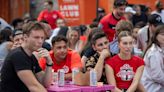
{"x": 124, "y": 47}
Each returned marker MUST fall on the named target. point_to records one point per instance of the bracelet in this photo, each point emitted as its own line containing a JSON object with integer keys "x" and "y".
{"x": 49, "y": 64}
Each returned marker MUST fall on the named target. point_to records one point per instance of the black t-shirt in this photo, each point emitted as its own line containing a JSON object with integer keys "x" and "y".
{"x": 15, "y": 61}
{"x": 142, "y": 18}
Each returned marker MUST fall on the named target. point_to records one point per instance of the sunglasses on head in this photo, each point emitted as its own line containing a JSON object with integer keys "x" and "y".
{"x": 120, "y": 3}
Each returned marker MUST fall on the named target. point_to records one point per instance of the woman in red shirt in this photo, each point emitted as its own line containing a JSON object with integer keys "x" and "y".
{"x": 124, "y": 70}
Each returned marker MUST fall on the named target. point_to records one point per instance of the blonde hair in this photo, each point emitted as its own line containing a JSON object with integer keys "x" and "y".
{"x": 124, "y": 34}
{"x": 124, "y": 25}
{"x": 33, "y": 25}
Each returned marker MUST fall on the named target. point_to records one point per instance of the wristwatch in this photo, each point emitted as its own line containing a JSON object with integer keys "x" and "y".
{"x": 49, "y": 64}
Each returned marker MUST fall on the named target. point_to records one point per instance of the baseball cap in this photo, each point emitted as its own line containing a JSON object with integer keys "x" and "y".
{"x": 155, "y": 19}
{"x": 17, "y": 32}
{"x": 118, "y": 3}
{"x": 130, "y": 9}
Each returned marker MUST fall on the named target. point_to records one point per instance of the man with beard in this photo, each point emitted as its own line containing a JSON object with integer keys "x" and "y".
{"x": 62, "y": 57}
{"x": 108, "y": 22}
{"x": 100, "y": 45}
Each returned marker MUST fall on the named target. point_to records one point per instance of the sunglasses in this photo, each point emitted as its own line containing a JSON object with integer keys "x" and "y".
{"x": 118, "y": 3}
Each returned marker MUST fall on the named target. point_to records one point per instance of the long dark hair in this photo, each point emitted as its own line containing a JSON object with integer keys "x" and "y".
{"x": 93, "y": 31}
{"x": 88, "y": 44}
{"x": 159, "y": 29}
{"x": 5, "y": 35}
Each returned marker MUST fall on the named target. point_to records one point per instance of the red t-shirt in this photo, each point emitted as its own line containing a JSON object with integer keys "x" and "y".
{"x": 50, "y": 17}
{"x": 124, "y": 70}
{"x": 83, "y": 38}
{"x": 72, "y": 60}
{"x": 108, "y": 24}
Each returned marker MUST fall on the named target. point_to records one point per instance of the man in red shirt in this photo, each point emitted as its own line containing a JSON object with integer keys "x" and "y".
{"x": 108, "y": 22}
{"x": 49, "y": 14}
{"x": 62, "y": 57}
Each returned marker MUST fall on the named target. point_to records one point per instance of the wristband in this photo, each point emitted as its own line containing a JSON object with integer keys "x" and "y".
{"x": 49, "y": 64}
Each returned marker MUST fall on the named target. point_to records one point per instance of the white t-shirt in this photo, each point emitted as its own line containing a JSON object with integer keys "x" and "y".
{"x": 153, "y": 74}
{"x": 142, "y": 38}
{"x": 54, "y": 33}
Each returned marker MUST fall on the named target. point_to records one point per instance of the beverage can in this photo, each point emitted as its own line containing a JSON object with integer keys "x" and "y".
{"x": 61, "y": 77}
{"x": 55, "y": 76}
{"x": 93, "y": 78}
{"x": 74, "y": 72}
